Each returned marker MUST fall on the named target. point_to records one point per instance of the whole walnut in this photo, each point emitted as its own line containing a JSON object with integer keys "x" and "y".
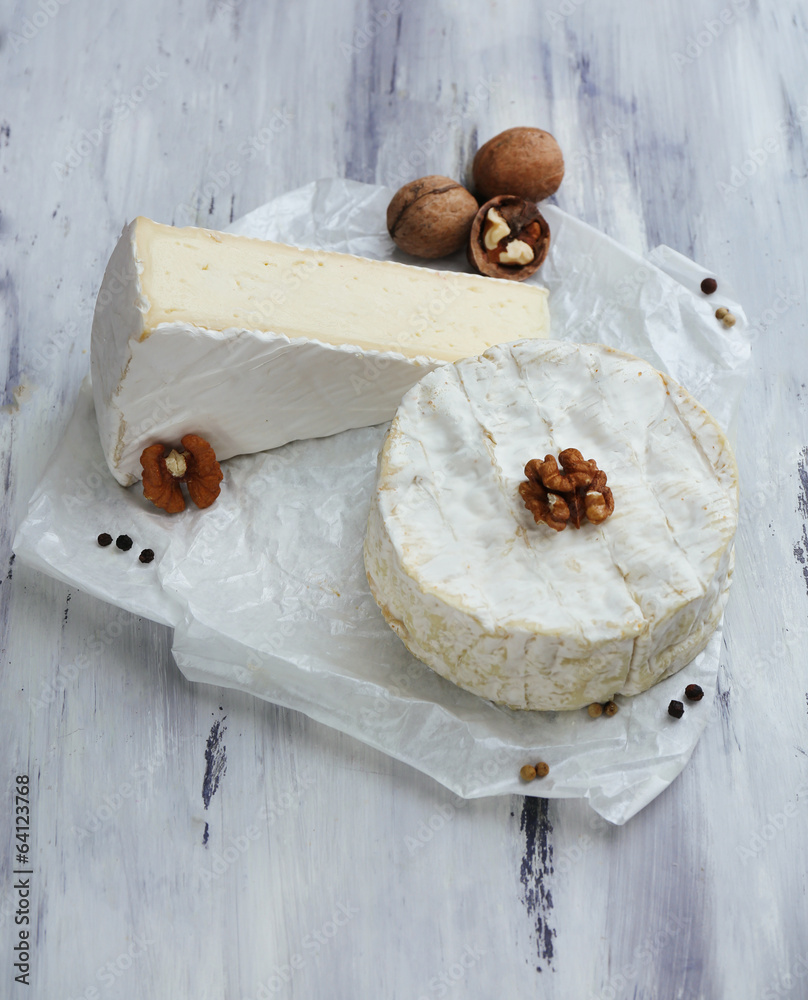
{"x": 522, "y": 161}
{"x": 431, "y": 217}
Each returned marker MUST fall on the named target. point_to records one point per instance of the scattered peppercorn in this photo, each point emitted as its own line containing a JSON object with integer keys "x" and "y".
{"x": 146, "y": 555}
{"x": 542, "y": 769}
{"x": 124, "y": 542}
{"x": 527, "y": 773}
{"x": 676, "y": 709}
{"x": 104, "y": 539}
{"x": 595, "y": 710}
{"x": 721, "y": 312}
{"x": 709, "y": 285}
{"x": 611, "y": 708}
{"x": 728, "y": 320}
{"x": 693, "y": 692}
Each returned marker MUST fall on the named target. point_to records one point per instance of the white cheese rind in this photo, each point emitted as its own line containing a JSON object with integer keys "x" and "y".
{"x": 165, "y": 362}
{"x": 514, "y": 611}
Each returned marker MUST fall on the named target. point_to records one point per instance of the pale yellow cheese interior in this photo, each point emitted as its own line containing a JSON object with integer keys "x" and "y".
{"x": 219, "y": 282}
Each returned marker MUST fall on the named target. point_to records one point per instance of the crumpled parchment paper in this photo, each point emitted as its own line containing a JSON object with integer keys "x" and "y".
{"x": 266, "y": 590}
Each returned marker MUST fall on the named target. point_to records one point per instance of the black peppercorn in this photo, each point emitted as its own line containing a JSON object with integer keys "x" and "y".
{"x": 709, "y": 285}
{"x": 676, "y": 709}
{"x": 693, "y": 692}
{"x": 124, "y": 542}
{"x": 104, "y": 539}
{"x": 146, "y": 555}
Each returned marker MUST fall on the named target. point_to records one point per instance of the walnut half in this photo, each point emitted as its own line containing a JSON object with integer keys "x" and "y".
{"x": 196, "y": 466}
{"x": 570, "y": 495}
{"x": 509, "y": 238}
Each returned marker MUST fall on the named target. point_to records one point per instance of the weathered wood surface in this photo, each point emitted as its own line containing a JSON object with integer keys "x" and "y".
{"x": 190, "y": 842}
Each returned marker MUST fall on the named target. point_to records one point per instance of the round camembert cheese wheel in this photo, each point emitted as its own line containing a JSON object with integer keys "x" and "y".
{"x": 515, "y": 611}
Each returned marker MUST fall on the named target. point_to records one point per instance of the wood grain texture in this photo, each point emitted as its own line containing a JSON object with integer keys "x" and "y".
{"x": 196, "y": 842}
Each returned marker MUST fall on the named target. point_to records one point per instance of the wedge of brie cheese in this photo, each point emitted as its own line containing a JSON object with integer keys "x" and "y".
{"x": 512, "y": 610}
{"x": 252, "y": 344}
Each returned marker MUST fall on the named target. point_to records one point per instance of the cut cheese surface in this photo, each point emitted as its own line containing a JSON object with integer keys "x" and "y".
{"x": 513, "y": 610}
{"x": 252, "y": 344}
{"x": 236, "y": 282}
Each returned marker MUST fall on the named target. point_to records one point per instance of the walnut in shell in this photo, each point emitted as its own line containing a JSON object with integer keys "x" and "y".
{"x": 431, "y": 217}
{"x": 509, "y": 238}
{"x": 523, "y": 161}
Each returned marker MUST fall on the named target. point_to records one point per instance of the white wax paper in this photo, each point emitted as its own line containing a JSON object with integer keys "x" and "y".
{"x": 266, "y": 590}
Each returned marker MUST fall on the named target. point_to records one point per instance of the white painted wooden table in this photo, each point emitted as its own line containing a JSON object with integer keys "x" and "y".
{"x": 191, "y": 842}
